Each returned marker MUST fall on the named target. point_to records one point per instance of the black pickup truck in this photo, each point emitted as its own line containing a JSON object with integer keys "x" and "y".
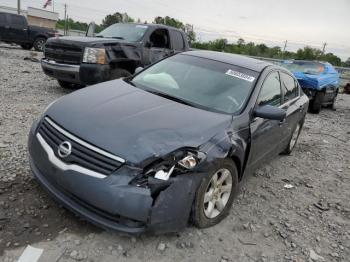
{"x": 15, "y": 29}
{"x": 113, "y": 53}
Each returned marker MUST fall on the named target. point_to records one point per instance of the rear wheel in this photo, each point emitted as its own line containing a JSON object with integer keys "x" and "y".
{"x": 316, "y": 103}
{"x": 119, "y": 73}
{"x": 27, "y": 46}
{"x": 215, "y": 195}
{"x": 293, "y": 140}
{"x": 39, "y": 44}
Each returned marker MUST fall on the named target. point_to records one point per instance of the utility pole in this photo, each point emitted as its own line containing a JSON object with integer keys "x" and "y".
{"x": 65, "y": 19}
{"x": 285, "y": 46}
{"x": 19, "y": 7}
{"x": 324, "y": 47}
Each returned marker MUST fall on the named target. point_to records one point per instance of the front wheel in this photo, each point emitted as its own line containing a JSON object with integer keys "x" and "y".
{"x": 215, "y": 195}
{"x": 119, "y": 73}
{"x": 39, "y": 44}
{"x": 68, "y": 85}
{"x": 316, "y": 103}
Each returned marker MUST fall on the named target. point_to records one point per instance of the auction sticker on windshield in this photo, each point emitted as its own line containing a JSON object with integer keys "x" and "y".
{"x": 240, "y": 75}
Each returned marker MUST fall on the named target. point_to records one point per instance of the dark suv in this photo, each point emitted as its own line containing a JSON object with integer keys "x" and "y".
{"x": 113, "y": 53}
{"x": 15, "y": 29}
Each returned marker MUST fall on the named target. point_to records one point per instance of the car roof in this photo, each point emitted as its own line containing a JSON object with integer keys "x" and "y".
{"x": 238, "y": 60}
{"x": 157, "y": 26}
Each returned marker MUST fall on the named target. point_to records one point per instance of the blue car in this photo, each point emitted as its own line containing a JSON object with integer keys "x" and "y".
{"x": 319, "y": 81}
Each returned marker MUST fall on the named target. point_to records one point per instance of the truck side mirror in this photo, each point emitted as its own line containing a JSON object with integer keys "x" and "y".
{"x": 149, "y": 44}
{"x": 90, "y": 32}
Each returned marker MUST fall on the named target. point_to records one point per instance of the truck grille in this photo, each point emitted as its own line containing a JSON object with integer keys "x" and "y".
{"x": 63, "y": 54}
{"x": 81, "y": 155}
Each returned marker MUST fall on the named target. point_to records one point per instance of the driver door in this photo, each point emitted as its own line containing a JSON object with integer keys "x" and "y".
{"x": 267, "y": 136}
{"x": 158, "y": 46}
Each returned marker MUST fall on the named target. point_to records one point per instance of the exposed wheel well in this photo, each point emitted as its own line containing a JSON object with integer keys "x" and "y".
{"x": 238, "y": 165}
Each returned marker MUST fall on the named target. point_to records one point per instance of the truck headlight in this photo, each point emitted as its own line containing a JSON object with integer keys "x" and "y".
{"x": 94, "y": 55}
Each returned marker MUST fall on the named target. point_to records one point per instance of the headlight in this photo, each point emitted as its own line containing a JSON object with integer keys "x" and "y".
{"x": 94, "y": 55}
{"x": 189, "y": 161}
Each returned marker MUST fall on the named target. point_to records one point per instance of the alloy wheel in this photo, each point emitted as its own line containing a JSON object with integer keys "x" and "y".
{"x": 294, "y": 138}
{"x": 218, "y": 193}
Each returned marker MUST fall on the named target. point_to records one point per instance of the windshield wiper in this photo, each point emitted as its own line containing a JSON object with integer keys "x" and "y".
{"x": 173, "y": 98}
{"x": 100, "y": 36}
{"x": 117, "y": 37}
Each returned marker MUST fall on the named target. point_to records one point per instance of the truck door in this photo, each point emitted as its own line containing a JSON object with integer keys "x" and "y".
{"x": 18, "y": 31}
{"x": 158, "y": 46}
{"x": 4, "y": 26}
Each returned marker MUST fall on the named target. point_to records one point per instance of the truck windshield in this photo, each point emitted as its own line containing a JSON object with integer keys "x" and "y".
{"x": 129, "y": 32}
{"x": 199, "y": 82}
{"x": 312, "y": 68}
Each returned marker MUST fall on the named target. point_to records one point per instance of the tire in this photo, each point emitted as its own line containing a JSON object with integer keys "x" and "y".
{"x": 39, "y": 44}
{"x": 26, "y": 46}
{"x": 119, "y": 73}
{"x": 67, "y": 85}
{"x": 206, "y": 214}
{"x": 293, "y": 139}
{"x": 316, "y": 103}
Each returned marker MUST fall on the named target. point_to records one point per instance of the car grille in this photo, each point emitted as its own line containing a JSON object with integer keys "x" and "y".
{"x": 63, "y": 54}
{"x": 80, "y": 154}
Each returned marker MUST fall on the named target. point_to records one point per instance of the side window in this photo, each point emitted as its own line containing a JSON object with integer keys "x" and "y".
{"x": 178, "y": 41}
{"x": 270, "y": 93}
{"x": 17, "y": 20}
{"x": 160, "y": 38}
{"x": 2, "y": 19}
{"x": 289, "y": 87}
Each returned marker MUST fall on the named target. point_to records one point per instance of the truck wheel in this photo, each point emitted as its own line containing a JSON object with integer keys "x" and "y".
{"x": 26, "y": 46}
{"x": 119, "y": 73}
{"x": 39, "y": 44}
{"x": 67, "y": 85}
{"x": 215, "y": 194}
{"x": 316, "y": 103}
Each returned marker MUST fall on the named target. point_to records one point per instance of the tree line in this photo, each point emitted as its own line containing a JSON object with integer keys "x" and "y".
{"x": 240, "y": 47}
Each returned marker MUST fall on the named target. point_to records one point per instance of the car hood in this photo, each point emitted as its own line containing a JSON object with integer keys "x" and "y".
{"x": 134, "y": 124}
{"x": 83, "y": 41}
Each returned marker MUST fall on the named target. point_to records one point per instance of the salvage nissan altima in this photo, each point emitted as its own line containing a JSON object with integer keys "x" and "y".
{"x": 168, "y": 146}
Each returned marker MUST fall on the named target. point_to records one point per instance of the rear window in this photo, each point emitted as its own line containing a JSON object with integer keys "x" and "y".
{"x": 289, "y": 87}
{"x": 178, "y": 41}
{"x": 307, "y": 67}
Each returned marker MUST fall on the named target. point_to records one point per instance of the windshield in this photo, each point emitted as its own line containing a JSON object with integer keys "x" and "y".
{"x": 129, "y": 32}
{"x": 306, "y": 67}
{"x": 199, "y": 82}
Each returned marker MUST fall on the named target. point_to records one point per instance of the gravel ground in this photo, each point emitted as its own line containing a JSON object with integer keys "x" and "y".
{"x": 268, "y": 222}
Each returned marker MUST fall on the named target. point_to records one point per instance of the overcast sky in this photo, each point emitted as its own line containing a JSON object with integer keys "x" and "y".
{"x": 300, "y": 22}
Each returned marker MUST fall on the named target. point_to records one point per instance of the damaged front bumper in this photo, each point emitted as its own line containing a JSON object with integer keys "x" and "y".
{"x": 113, "y": 202}
{"x": 83, "y": 74}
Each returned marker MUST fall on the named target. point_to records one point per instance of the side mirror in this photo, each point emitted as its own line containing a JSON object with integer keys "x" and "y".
{"x": 138, "y": 69}
{"x": 90, "y": 32}
{"x": 270, "y": 112}
{"x": 148, "y": 44}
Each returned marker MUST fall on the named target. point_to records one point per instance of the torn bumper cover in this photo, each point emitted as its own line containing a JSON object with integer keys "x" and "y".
{"x": 112, "y": 202}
